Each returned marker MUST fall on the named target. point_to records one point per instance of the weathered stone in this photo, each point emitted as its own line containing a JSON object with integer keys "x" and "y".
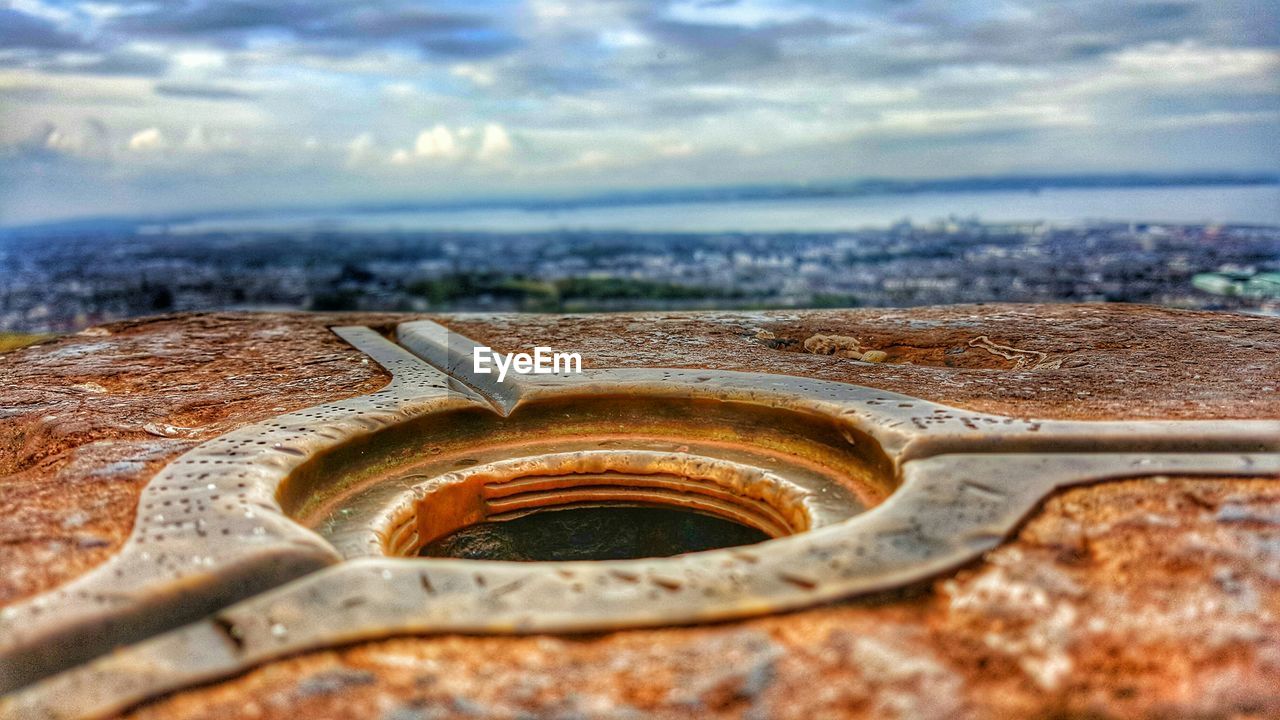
{"x": 826, "y": 344}
{"x": 1152, "y": 597}
{"x": 68, "y": 452}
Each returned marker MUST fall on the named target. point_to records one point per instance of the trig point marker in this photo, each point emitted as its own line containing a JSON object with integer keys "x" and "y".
{"x": 709, "y": 514}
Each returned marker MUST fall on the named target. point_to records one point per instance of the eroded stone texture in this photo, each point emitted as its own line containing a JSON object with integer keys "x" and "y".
{"x": 86, "y": 420}
{"x": 1069, "y": 361}
{"x": 1142, "y": 598}
{"x": 1146, "y": 598}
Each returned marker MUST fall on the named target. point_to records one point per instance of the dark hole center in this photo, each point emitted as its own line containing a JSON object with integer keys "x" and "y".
{"x": 593, "y": 533}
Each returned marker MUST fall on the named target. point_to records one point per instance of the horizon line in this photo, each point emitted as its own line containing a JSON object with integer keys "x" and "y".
{"x": 670, "y": 195}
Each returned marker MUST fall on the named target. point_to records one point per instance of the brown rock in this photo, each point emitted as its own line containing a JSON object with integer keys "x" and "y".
{"x": 1143, "y": 598}
{"x": 89, "y": 418}
{"x": 831, "y": 344}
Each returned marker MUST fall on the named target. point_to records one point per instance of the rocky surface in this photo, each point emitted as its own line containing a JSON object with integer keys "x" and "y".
{"x": 86, "y": 420}
{"x": 1144, "y": 598}
{"x": 1135, "y": 599}
{"x": 1053, "y": 361}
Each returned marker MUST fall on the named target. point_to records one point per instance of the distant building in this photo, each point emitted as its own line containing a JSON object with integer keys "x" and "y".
{"x": 1239, "y": 284}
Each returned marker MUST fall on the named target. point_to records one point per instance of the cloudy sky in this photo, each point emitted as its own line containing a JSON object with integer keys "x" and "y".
{"x": 172, "y": 105}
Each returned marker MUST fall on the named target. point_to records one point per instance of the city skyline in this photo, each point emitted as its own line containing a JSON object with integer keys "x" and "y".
{"x": 111, "y": 108}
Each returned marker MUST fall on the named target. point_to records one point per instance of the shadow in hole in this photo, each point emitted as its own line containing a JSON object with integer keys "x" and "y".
{"x": 594, "y": 533}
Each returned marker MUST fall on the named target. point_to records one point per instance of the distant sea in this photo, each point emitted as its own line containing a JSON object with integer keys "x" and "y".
{"x": 1243, "y": 205}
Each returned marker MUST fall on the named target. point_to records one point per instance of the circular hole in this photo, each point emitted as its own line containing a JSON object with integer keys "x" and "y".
{"x": 593, "y": 533}
{"x": 478, "y": 504}
{"x": 458, "y": 482}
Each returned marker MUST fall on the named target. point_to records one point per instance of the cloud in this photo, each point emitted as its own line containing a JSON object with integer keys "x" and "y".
{"x": 437, "y": 142}
{"x": 149, "y": 140}
{"x": 360, "y": 148}
{"x": 38, "y": 36}
{"x": 492, "y": 144}
{"x": 200, "y": 59}
{"x": 400, "y": 90}
{"x": 113, "y": 63}
{"x": 49, "y": 142}
{"x": 625, "y": 38}
{"x": 324, "y": 28}
{"x": 22, "y": 30}
{"x": 1219, "y": 118}
{"x": 476, "y": 74}
{"x": 59, "y": 141}
{"x": 984, "y": 118}
{"x": 197, "y": 140}
{"x": 479, "y": 44}
{"x": 495, "y": 144}
{"x": 123, "y": 63}
{"x": 212, "y": 19}
{"x": 1190, "y": 62}
{"x": 592, "y": 160}
{"x": 676, "y": 149}
{"x": 1187, "y": 68}
{"x": 201, "y": 92}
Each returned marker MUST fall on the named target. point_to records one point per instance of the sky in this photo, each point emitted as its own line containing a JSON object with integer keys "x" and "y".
{"x": 168, "y": 106}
